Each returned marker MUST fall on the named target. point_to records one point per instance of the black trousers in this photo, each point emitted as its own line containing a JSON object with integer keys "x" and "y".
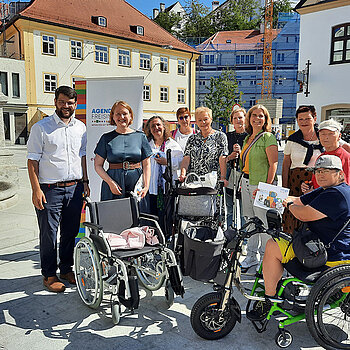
{"x": 63, "y": 210}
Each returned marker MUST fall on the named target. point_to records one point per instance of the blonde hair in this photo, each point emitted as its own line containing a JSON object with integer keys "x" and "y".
{"x": 237, "y": 110}
{"x": 267, "y": 124}
{"x": 203, "y": 109}
{"x": 125, "y": 105}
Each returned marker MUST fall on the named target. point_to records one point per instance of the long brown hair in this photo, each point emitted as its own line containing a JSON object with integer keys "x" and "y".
{"x": 267, "y": 124}
{"x": 148, "y": 133}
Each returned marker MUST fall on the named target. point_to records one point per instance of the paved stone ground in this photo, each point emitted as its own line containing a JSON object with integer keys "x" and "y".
{"x": 33, "y": 318}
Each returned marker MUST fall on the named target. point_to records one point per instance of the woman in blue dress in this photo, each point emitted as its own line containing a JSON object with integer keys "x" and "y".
{"x": 127, "y": 151}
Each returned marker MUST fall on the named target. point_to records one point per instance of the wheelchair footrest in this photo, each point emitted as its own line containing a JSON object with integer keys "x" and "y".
{"x": 260, "y": 326}
{"x": 176, "y": 280}
{"x": 134, "y": 300}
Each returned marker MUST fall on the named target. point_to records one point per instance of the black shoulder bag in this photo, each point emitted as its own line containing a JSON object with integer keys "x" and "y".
{"x": 309, "y": 249}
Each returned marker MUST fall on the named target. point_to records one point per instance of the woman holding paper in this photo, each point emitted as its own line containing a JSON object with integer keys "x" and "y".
{"x": 258, "y": 162}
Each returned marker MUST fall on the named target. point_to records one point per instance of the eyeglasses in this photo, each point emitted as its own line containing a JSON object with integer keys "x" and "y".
{"x": 184, "y": 117}
{"x": 324, "y": 171}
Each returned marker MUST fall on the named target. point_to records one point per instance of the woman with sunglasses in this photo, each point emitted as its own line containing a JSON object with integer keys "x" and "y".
{"x": 184, "y": 130}
{"x": 301, "y": 151}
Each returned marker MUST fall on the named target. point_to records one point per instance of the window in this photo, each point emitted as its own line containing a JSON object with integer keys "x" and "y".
{"x": 251, "y": 59}
{"x": 340, "y": 50}
{"x": 209, "y": 59}
{"x": 49, "y": 45}
{"x": 247, "y": 59}
{"x": 15, "y": 85}
{"x": 4, "y": 83}
{"x": 238, "y": 59}
{"x": 102, "y": 21}
{"x": 180, "y": 95}
{"x": 101, "y": 53}
{"x": 164, "y": 94}
{"x": 242, "y": 59}
{"x": 76, "y": 49}
{"x": 164, "y": 64}
{"x": 181, "y": 67}
{"x": 147, "y": 92}
{"x": 50, "y": 82}
{"x": 145, "y": 61}
{"x": 139, "y": 30}
{"x": 252, "y": 101}
{"x": 253, "y": 82}
{"x": 280, "y": 57}
{"x": 124, "y": 57}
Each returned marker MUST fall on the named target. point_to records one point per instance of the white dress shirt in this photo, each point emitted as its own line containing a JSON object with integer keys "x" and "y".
{"x": 58, "y": 148}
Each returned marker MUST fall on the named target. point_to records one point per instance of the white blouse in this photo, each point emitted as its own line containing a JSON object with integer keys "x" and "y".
{"x": 297, "y": 154}
{"x": 176, "y": 158}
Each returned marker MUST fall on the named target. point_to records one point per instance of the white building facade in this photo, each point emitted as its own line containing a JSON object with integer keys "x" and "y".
{"x": 325, "y": 45}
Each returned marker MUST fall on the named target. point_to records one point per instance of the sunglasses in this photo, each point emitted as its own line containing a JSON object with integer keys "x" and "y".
{"x": 184, "y": 117}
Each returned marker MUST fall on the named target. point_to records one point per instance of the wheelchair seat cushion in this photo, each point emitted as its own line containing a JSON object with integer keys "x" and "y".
{"x": 298, "y": 270}
{"x": 128, "y": 253}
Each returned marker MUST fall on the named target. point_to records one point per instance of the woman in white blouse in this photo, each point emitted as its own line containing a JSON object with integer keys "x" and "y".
{"x": 301, "y": 151}
{"x": 157, "y": 133}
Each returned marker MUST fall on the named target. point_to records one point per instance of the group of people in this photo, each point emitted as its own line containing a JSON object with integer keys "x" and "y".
{"x": 58, "y": 175}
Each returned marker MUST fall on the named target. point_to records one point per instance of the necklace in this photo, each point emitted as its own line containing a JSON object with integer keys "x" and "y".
{"x": 310, "y": 137}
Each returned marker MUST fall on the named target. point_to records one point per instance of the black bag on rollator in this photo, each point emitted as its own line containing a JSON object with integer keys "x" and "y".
{"x": 202, "y": 252}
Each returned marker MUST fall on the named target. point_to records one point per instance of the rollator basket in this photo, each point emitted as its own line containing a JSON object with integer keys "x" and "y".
{"x": 197, "y": 202}
{"x": 202, "y": 252}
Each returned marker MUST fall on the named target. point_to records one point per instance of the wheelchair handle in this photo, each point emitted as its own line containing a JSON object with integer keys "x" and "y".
{"x": 276, "y": 233}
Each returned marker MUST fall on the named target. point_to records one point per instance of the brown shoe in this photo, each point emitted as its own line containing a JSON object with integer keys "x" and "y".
{"x": 68, "y": 277}
{"x": 53, "y": 284}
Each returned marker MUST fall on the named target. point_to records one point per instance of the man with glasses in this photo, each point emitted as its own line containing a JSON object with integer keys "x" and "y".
{"x": 330, "y": 136}
{"x": 58, "y": 176}
{"x": 184, "y": 130}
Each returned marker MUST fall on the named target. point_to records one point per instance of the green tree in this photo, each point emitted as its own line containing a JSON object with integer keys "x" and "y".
{"x": 169, "y": 21}
{"x": 223, "y": 94}
{"x": 236, "y": 15}
{"x": 197, "y": 22}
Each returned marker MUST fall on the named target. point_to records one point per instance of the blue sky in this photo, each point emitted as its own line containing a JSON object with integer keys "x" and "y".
{"x": 146, "y": 6}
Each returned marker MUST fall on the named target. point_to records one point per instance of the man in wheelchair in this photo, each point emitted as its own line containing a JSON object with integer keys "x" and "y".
{"x": 325, "y": 210}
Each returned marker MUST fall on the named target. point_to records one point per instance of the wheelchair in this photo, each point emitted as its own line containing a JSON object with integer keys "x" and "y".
{"x": 98, "y": 267}
{"x": 320, "y": 296}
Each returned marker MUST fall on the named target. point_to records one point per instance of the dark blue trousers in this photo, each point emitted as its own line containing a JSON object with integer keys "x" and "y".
{"x": 63, "y": 209}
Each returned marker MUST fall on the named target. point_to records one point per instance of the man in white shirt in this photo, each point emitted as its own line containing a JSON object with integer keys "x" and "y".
{"x": 184, "y": 131}
{"x": 57, "y": 173}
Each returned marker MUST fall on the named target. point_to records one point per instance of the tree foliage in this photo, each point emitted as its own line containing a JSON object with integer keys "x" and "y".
{"x": 222, "y": 95}
{"x": 169, "y": 21}
{"x": 278, "y": 6}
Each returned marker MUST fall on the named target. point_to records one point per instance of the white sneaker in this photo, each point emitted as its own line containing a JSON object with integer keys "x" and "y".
{"x": 244, "y": 249}
{"x": 248, "y": 262}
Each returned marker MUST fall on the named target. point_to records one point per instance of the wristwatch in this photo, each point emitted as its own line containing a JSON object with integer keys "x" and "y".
{"x": 289, "y": 204}
{"x": 86, "y": 182}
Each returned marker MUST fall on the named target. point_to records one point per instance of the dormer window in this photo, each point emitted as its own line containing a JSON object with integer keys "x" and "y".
{"x": 99, "y": 20}
{"x": 228, "y": 41}
{"x": 102, "y": 21}
{"x": 139, "y": 30}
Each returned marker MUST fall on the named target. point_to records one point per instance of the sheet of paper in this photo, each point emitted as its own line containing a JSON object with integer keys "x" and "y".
{"x": 271, "y": 196}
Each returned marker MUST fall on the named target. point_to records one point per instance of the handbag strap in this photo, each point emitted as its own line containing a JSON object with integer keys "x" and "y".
{"x": 341, "y": 230}
{"x": 246, "y": 151}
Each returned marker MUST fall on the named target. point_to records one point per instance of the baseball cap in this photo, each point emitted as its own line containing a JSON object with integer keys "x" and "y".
{"x": 328, "y": 162}
{"x": 331, "y": 125}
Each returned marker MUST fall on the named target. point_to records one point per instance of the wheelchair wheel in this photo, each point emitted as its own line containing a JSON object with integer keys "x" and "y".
{"x": 169, "y": 294}
{"x": 88, "y": 274}
{"x": 206, "y": 319}
{"x": 115, "y": 308}
{"x": 283, "y": 339}
{"x": 151, "y": 273}
{"x": 328, "y": 309}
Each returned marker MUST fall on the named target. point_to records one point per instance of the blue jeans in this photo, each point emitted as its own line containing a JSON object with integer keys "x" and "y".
{"x": 63, "y": 209}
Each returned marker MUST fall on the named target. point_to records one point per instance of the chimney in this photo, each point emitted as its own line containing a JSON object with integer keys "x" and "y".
{"x": 162, "y": 7}
{"x": 215, "y": 5}
{"x": 155, "y": 13}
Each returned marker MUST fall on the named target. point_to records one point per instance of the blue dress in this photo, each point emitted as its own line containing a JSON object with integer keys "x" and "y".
{"x": 118, "y": 148}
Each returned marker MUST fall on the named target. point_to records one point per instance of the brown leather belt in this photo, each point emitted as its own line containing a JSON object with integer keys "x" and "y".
{"x": 64, "y": 183}
{"x": 125, "y": 165}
